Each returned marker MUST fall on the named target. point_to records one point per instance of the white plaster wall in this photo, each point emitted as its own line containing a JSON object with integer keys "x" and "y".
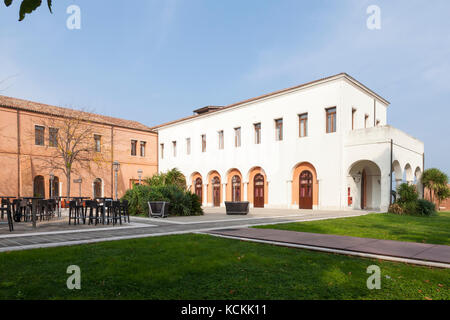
{"x": 331, "y": 154}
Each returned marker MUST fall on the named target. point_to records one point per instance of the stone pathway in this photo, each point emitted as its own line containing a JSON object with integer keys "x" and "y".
{"x": 417, "y": 253}
{"x": 49, "y": 235}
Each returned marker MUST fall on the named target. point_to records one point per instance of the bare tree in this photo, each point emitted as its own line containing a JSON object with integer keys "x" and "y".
{"x": 71, "y": 145}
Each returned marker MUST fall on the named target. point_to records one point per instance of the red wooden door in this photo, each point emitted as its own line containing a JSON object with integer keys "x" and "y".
{"x": 199, "y": 189}
{"x": 216, "y": 192}
{"x": 236, "y": 189}
{"x": 306, "y": 190}
{"x": 258, "y": 191}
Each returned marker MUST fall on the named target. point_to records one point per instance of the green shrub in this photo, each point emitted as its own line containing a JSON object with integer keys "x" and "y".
{"x": 407, "y": 194}
{"x": 409, "y": 208}
{"x": 395, "y": 208}
{"x": 425, "y": 207}
{"x": 182, "y": 203}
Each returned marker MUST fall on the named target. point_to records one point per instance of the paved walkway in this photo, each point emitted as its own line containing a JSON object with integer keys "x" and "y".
{"x": 49, "y": 235}
{"x": 417, "y": 253}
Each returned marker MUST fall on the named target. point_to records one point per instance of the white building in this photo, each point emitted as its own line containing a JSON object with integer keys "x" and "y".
{"x": 322, "y": 145}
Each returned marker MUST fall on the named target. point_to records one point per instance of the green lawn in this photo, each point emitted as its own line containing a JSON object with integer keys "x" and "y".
{"x": 204, "y": 267}
{"x": 435, "y": 229}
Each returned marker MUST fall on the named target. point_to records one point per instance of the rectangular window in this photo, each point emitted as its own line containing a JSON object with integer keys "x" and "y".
{"x": 220, "y": 139}
{"x": 52, "y": 137}
{"x": 39, "y": 135}
{"x": 279, "y": 129}
{"x": 237, "y": 137}
{"x": 162, "y": 150}
{"x": 174, "y": 148}
{"x": 142, "y": 145}
{"x": 98, "y": 143}
{"x": 203, "y": 142}
{"x": 257, "y": 133}
{"x": 331, "y": 119}
{"x": 188, "y": 145}
{"x": 133, "y": 147}
{"x": 303, "y": 125}
{"x": 353, "y": 118}
{"x": 366, "y": 120}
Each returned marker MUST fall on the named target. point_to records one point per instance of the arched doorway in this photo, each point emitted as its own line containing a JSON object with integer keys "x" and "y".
{"x": 53, "y": 188}
{"x": 39, "y": 187}
{"x": 216, "y": 191}
{"x": 364, "y": 185}
{"x": 236, "y": 188}
{"x": 258, "y": 191}
{"x": 199, "y": 188}
{"x": 97, "y": 188}
{"x": 306, "y": 190}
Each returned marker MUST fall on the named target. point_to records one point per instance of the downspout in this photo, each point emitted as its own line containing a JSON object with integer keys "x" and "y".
{"x": 390, "y": 175}
{"x": 18, "y": 153}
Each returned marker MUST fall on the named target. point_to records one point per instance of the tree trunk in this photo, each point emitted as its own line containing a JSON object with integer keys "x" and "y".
{"x": 68, "y": 185}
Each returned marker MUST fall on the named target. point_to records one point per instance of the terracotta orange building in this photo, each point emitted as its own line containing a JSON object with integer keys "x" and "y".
{"x": 26, "y": 144}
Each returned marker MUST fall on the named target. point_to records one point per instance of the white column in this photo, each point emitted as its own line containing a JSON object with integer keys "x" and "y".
{"x": 224, "y": 193}
{"x": 205, "y": 194}
{"x": 289, "y": 193}
{"x": 385, "y": 192}
{"x": 245, "y": 191}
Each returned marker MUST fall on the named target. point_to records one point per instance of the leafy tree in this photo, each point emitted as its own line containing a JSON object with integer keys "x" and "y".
{"x": 434, "y": 180}
{"x": 171, "y": 177}
{"x": 28, "y": 6}
{"x": 442, "y": 193}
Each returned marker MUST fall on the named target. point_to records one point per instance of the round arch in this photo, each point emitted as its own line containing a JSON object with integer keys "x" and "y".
{"x": 39, "y": 187}
{"x": 252, "y": 173}
{"x": 214, "y": 195}
{"x": 235, "y": 185}
{"x": 364, "y": 183}
{"x": 297, "y": 170}
{"x": 196, "y": 185}
{"x": 409, "y": 177}
{"x": 97, "y": 188}
{"x": 397, "y": 174}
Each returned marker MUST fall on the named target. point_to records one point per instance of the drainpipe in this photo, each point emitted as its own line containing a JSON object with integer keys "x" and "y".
{"x": 423, "y": 169}
{"x": 18, "y": 153}
{"x": 390, "y": 175}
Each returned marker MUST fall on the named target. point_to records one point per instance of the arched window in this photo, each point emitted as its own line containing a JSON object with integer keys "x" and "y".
{"x": 53, "y": 188}
{"x": 39, "y": 187}
{"x": 98, "y": 188}
{"x": 236, "y": 188}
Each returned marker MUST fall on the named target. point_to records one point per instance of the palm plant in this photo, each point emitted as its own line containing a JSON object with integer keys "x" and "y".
{"x": 434, "y": 180}
{"x": 171, "y": 177}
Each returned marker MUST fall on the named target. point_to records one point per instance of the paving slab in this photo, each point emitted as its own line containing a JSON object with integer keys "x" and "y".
{"x": 398, "y": 249}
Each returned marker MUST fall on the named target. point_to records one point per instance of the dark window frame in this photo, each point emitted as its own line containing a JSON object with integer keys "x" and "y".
{"x": 53, "y": 137}
{"x": 134, "y": 148}
{"x": 332, "y": 114}
{"x": 39, "y": 135}
{"x": 142, "y": 148}
{"x": 257, "y": 128}
{"x": 303, "y": 118}
{"x": 279, "y": 129}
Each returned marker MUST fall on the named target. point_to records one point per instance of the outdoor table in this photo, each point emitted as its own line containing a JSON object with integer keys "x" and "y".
{"x": 34, "y": 201}
{"x": 102, "y": 205}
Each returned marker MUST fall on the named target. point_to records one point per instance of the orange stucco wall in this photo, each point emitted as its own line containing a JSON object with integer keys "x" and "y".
{"x": 231, "y": 174}
{"x": 250, "y": 190}
{"x": 20, "y": 167}
{"x": 296, "y": 180}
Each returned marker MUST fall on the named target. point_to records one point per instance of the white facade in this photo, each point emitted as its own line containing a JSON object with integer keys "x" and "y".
{"x": 357, "y": 155}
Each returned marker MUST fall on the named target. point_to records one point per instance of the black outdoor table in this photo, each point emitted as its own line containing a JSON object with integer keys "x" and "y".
{"x": 102, "y": 205}
{"x": 34, "y": 201}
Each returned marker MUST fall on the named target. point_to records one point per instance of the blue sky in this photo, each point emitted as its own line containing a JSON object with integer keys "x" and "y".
{"x": 156, "y": 61}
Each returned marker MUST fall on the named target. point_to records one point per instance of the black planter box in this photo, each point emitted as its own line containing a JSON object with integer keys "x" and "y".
{"x": 158, "y": 209}
{"x": 238, "y": 207}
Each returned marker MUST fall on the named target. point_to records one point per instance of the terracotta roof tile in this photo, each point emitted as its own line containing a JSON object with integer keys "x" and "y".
{"x": 25, "y": 105}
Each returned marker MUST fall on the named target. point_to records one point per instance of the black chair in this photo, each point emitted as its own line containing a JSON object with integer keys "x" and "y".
{"x": 93, "y": 207}
{"x": 158, "y": 209}
{"x": 6, "y": 208}
{"x": 75, "y": 212}
{"x": 115, "y": 213}
{"x": 124, "y": 210}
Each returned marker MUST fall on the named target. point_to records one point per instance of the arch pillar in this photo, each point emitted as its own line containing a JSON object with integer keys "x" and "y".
{"x": 245, "y": 191}
{"x": 205, "y": 194}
